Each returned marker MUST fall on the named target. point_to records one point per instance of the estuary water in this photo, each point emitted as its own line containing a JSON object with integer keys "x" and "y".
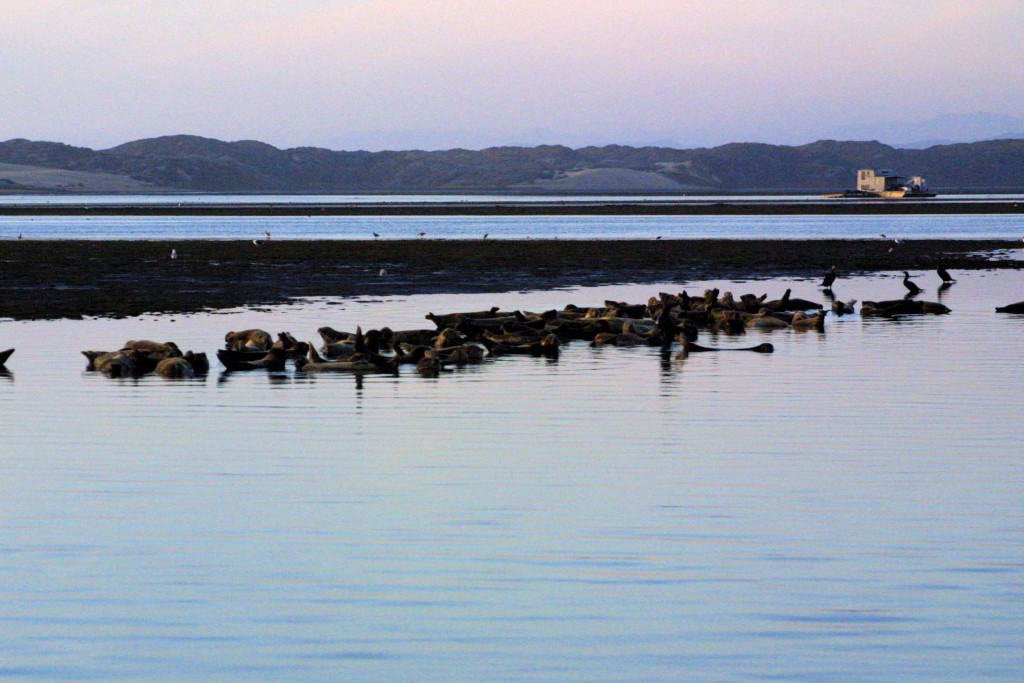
{"x": 974, "y": 226}
{"x": 848, "y": 508}
{"x": 513, "y": 227}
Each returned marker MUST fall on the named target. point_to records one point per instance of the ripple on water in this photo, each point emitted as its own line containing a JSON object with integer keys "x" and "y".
{"x": 845, "y": 508}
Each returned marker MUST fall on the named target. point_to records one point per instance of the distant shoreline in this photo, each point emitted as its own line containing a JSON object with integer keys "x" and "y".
{"x": 652, "y": 207}
{"x": 50, "y": 279}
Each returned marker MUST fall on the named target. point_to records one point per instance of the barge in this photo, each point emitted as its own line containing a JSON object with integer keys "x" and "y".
{"x": 885, "y": 184}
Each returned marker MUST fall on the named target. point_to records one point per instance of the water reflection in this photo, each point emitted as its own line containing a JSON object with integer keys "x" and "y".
{"x": 845, "y": 504}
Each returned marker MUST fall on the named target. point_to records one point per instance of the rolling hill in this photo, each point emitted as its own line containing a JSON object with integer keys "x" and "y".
{"x": 197, "y": 164}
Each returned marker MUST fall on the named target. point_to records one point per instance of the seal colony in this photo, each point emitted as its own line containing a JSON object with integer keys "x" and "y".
{"x": 666, "y": 321}
{"x": 470, "y": 337}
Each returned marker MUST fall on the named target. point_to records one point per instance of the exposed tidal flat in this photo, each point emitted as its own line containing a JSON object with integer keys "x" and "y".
{"x": 847, "y": 508}
{"x": 222, "y": 205}
{"x": 72, "y": 278}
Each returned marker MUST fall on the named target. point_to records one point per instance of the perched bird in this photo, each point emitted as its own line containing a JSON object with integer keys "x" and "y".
{"x": 19, "y": 235}
{"x": 485, "y": 235}
{"x": 943, "y": 273}
{"x": 376, "y": 235}
{"x": 267, "y": 233}
{"x": 422, "y": 234}
{"x": 830, "y": 277}
{"x": 174, "y": 253}
{"x": 911, "y": 287}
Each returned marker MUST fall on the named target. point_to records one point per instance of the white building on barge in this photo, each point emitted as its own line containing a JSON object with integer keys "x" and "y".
{"x": 887, "y": 185}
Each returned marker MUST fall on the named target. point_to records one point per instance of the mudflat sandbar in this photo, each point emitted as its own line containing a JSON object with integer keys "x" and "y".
{"x": 49, "y": 279}
{"x": 540, "y": 207}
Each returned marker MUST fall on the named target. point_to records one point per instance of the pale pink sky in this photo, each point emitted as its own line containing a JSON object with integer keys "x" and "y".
{"x": 383, "y": 74}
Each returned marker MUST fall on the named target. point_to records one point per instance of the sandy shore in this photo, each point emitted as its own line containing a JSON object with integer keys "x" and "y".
{"x": 68, "y": 279}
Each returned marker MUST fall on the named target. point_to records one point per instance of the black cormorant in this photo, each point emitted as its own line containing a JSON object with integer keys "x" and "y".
{"x": 943, "y": 273}
{"x": 911, "y": 287}
{"x": 830, "y": 277}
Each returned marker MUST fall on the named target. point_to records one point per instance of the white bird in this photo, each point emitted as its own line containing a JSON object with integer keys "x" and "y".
{"x": 258, "y": 243}
{"x": 174, "y": 253}
{"x": 382, "y": 272}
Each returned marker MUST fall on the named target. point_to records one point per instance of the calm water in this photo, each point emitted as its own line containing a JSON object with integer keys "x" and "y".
{"x": 512, "y": 227}
{"x": 496, "y": 227}
{"x": 848, "y": 508}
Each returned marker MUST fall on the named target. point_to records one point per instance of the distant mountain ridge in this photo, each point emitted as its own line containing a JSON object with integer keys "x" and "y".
{"x": 192, "y": 163}
{"x": 945, "y": 129}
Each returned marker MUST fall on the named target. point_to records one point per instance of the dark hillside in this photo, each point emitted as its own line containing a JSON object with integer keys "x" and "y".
{"x": 188, "y": 162}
